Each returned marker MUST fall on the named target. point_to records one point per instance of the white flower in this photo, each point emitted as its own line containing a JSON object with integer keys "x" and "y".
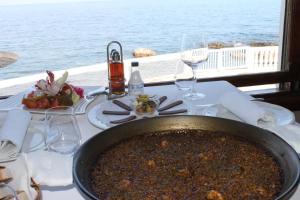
{"x": 61, "y": 81}
{"x": 51, "y": 87}
{"x": 42, "y": 85}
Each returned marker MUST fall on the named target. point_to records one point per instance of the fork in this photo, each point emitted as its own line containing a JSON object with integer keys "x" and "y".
{"x": 95, "y": 93}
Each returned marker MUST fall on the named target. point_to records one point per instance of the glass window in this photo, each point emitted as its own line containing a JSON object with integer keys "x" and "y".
{"x": 243, "y": 36}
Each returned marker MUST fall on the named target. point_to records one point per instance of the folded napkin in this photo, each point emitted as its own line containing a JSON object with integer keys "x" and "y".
{"x": 20, "y": 178}
{"x": 290, "y": 133}
{"x": 50, "y": 168}
{"x": 12, "y": 133}
{"x": 245, "y": 109}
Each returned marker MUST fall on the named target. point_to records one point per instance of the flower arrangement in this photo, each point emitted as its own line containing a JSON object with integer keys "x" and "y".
{"x": 52, "y": 93}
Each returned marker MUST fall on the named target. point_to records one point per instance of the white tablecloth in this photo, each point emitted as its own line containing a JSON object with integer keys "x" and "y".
{"x": 212, "y": 90}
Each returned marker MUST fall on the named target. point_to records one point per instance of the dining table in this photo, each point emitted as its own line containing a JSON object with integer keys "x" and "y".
{"x": 213, "y": 92}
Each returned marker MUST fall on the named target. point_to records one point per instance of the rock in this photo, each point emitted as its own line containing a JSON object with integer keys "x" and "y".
{"x": 218, "y": 45}
{"x": 7, "y": 58}
{"x": 143, "y": 52}
{"x": 262, "y": 44}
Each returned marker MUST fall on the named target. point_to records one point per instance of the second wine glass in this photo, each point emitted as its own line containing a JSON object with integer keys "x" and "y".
{"x": 194, "y": 52}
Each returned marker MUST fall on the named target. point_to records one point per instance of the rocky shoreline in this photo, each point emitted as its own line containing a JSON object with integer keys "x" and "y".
{"x": 147, "y": 52}
{"x": 7, "y": 58}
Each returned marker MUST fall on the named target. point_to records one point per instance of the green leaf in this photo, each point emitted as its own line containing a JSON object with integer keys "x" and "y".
{"x": 65, "y": 99}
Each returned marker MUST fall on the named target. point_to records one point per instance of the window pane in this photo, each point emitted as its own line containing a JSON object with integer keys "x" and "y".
{"x": 243, "y": 37}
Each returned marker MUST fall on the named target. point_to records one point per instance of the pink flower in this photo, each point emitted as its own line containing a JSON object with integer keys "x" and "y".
{"x": 79, "y": 91}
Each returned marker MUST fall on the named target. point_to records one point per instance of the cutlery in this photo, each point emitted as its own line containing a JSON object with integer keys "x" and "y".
{"x": 171, "y": 105}
{"x": 258, "y": 99}
{"x": 94, "y": 93}
{"x": 173, "y": 112}
{"x": 122, "y": 105}
{"x": 112, "y": 112}
{"x": 127, "y": 119}
{"x": 162, "y": 99}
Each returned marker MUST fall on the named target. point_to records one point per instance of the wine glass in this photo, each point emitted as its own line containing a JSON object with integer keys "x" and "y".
{"x": 183, "y": 77}
{"x": 63, "y": 135}
{"x": 194, "y": 52}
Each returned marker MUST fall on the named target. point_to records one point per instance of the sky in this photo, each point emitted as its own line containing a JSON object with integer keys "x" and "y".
{"x": 22, "y": 2}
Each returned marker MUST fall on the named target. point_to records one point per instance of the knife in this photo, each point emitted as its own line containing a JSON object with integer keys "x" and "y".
{"x": 171, "y": 105}
{"x": 127, "y": 119}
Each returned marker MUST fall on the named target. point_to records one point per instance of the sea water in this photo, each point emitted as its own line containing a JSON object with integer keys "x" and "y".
{"x": 66, "y": 35}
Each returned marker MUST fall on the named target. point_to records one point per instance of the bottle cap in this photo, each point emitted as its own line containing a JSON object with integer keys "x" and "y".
{"x": 134, "y": 64}
{"x": 115, "y": 55}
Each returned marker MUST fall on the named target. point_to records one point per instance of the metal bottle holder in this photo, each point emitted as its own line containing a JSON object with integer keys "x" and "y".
{"x": 116, "y": 86}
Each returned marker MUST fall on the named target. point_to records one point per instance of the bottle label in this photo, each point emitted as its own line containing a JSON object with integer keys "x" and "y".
{"x": 136, "y": 89}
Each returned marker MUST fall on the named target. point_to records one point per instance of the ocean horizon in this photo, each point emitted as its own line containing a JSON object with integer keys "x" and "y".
{"x": 66, "y": 35}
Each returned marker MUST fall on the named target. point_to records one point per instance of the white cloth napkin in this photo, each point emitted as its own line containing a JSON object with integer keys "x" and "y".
{"x": 50, "y": 168}
{"x": 12, "y": 133}
{"x": 290, "y": 133}
{"x": 245, "y": 109}
{"x": 21, "y": 178}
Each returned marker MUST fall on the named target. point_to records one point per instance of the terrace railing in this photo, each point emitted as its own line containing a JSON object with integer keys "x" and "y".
{"x": 251, "y": 58}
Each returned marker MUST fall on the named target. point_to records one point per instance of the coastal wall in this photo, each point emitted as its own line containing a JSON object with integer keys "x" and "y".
{"x": 222, "y": 62}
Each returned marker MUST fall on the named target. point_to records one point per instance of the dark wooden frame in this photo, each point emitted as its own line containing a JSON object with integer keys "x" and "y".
{"x": 246, "y": 80}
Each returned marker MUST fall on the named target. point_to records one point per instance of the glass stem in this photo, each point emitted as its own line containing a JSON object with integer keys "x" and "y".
{"x": 195, "y": 80}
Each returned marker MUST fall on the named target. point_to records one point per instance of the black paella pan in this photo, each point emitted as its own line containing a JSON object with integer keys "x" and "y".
{"x": 286, "y": 156}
